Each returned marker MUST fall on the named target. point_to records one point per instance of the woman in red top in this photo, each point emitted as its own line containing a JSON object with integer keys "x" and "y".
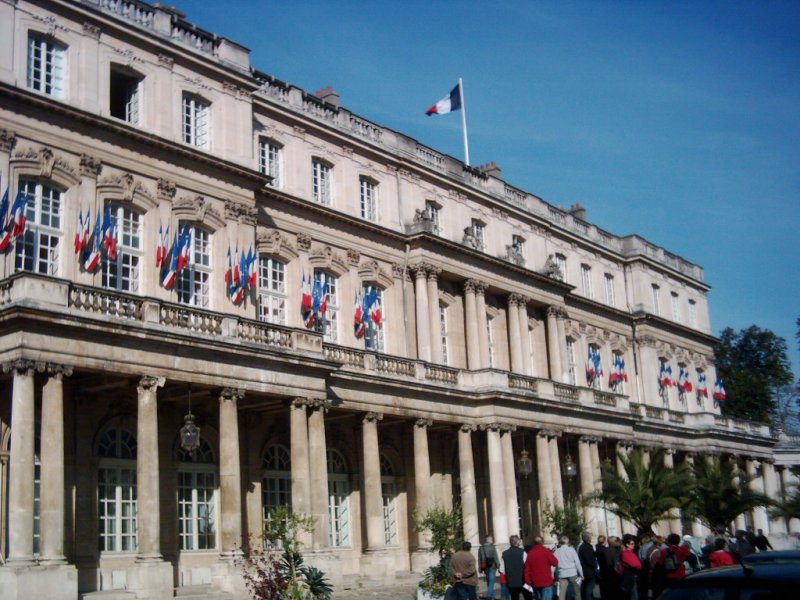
{"x": 631, "y": 565}
{"x": 720, "y": 557}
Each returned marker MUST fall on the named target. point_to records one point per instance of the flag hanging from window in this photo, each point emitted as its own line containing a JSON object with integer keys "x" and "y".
{"x": 13, "y": 221}
{"x": 684, "y": 385}
{"x": 593, "y": 368}
{"x": 665, "y": 377}
{"x": 719, "y": 391}
{"x": 702, "y": 389}
{"x": 618, "y": 374}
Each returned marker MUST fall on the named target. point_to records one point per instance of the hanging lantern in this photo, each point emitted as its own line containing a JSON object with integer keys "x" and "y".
{"x": 190, "y": 433}
{"x": 524, "y": 464}
{"x": 570, "y": 470}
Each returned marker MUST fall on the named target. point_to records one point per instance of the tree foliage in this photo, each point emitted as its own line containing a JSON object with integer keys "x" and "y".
{"x": 566, "y": 520}
{"x": 646, "y": 491}
{"x": 720, "y": 493}
{"x": 444, "y": 526}
{"x": 753, "y": 364}
{"x": 788, "y": 508}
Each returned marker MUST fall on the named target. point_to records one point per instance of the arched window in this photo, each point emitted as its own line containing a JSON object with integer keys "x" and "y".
{"x": 116, "y": 490}
{"x": 271, "y": 290}
{"x": 276, "y": 480}
{"x": 194, "y": 281}
{"x": 338, "y": 499}
{"x": 39, "y": 247}
{"x": 197, "y": 498}
{"x": 389, "y": 495}
{"x": 123, "y": 273}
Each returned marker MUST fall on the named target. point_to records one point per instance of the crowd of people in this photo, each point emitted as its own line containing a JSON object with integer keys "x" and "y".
{"x": 627, "y": 568}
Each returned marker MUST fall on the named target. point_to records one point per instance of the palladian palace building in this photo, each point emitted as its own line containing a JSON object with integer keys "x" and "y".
{"x": 221, "y": 294}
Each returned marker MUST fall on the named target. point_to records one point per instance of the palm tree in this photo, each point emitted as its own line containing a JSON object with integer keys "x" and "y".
{"x": 721, "y": 492}
{"x": 646, "y": 491}
{"x": 788, "y": 508}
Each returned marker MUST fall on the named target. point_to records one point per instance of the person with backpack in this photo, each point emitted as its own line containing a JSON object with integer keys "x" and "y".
{"x": 671, "y": 559}
{"x": 488, "y": 562}
{"x": 628, "y": 568}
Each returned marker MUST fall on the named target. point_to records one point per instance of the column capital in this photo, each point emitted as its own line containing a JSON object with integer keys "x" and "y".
{"x": 558, "y": 312}
{"x": 23, "y": 366}
{"x": 231, "y": 394}
{"x": 57, "y": 371}
{"x": 589, "y": 439}
{"x": 467, "y": 428}
{"x": 419, "y": 270}
{"x": 473, "y": 285}
{"x": 372, "y": 417}
{"x": 515, "y": 299}
{"x": 323, "y": 404}
{"x": 499, "y": 427}
{"x": 548, "y": 433}
{"x": 768, "y": 461}
{"x": 423, "y": 423}
{"x": 625, "y": 444}
{"x": 149, "y": 383}
{"x": 433, "y": 272}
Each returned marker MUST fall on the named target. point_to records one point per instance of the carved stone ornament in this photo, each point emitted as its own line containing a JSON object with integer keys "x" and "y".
{"x": 166, "y": 61}
{"x": 241, "y": 212}
{"x": 303, "y": 241}
{"x": 149, "y": 383}
{"x": 166, "y": 189}
{"x": 7, "y": 140}
{"x": 90, "y": 166}
{"x": 423, "y": 215}
{"x": 91, "y": 30}
{"x": 23, "y": 366}
{"x": 423, "y": 423}
{"x": 353, "y": 257}
{"x": 198, "y": 209}
{"x": 231, "y": 394}
{"x": 371, "y": 271}
{"x": 372, "y": 417}
{"x": 58, "y": 371}
{"x": 325, "y": 258}
{"x": 399, "y": 271}
{"x": 467, "y": 428}
{"x": 273, "y": 242}
{"x": 552, "y": 269}
{"x": 470, "y": 240}
{"x": 48, "y": 165}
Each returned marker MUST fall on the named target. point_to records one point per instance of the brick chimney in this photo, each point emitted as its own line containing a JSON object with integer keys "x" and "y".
{"x": 329, "y": 95}
{"x": 491, "y": 169}
{"x": 577, "y": 211}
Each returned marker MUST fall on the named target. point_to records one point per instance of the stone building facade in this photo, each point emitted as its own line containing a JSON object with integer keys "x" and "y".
{"x": 493, "y": 303}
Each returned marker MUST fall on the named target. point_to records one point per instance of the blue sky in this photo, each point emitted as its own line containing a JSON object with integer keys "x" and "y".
{"x": 679, "y": 121}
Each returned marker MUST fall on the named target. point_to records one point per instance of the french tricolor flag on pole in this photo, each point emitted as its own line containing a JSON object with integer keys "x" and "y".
{"x": 447, "y": 104}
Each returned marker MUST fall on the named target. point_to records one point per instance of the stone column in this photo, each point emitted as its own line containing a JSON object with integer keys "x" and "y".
{"x": 147, "y": 471}
{"x": 555, "y": 472}
{"x": 433, "y": 315}
{"x": 422, "y": 472}
{"x": 510, "y": 477}
{"x": 471, "y": 325}
{"x": 623, "y": 448}
{"x": 739, "y": 521}
{"x": 543, "y": 470}
{"x": 21, "y": 469}
{"x": 772, "y": 491}
{"x": 514, "y": 339}
{"x": 52, "y": 470}
{"x": 597, "y": 476}
{"x": 554, "y": 344}
{"x": 789, "y": 480}
{"x": 675, "y": 524}
{"x": 301, "y": 482}
{"x": 483, "y": 337}
{"x": 469, "y": 496}
{"x": 760, "y": 520}
{"x": 587, "y": 479}
{"x": 230, "y": 473}
{"x": 698, "y": 530}
{"x": 497, "y": 486}
{"x": 525, "y": 339}
{"x": 423, "y": 317}
{"x": 373, "y": 498}
{"x": 318, "y": 460}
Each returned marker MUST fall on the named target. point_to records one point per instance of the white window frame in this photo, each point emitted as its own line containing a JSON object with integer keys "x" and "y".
{"x": 194, "y": 281}
{"x": 443, "y": 334}
{"x": 572, "y": 367}
{"x": 119, "y": 461}
{"x": 656, "y": 299}
{"x": 270, "y": 161}
{"x": 328, "y": 326}
{"x": 38, "y": 250}
{"x": 610, "y": 295}
{"x": 133, "y": 93}
{"x": 561, "y": 263}
{"x": 369, "y": 198}
{"x": 434, "y": 212}
{"x": 586, "y": 280}
{"x": 46, "y": 66}
{"x": 202, "y": 504}
{"x": 692, "y": 313}
{"x": 389, "y": 502}
{"x": 322, "y": 182}
{"x": 272, "y": 295}
{"x": 479, "y": 233}
{"x": 616, "y": 354}
{"x": 597, "y": 384}
{"x": 374, "y": 340}
{"x": 675, "y": 305}
{"x": 276, "y": 480}
{"x": 490, "y": 339}
{"x": 123, "y": 274}
{"x": 196, "y": 121}
{"x": 338, "y": 499}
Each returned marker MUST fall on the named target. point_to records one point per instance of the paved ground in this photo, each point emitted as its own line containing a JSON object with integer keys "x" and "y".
{"x": 400, "y": 591}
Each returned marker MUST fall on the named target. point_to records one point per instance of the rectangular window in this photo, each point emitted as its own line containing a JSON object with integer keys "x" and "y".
{"x": 561, "y": 262}
{"x": 490, "y": 338}
{"x": 443, "y": 333}
{"x": 572, "y": 370}
{"x": 692, "y": 313}
{"x": 479, "y": 231}
{"x": 339, "y": 511}
{"x": 116, "y": 496}
{"x": 271, "y": 290}
{"x": 676, "y": 313}
{"x": 321, "y": 189}
{"x": 194, "y": 280}
{"x": 656, "y": 300}
{"x": 196, "y": 510}
{"x": 610, "y": 300}
{"x": 122, "y": 274}
{"x": 389, "y": 494}
{"x": 432, "y": 210}
{"x": 329, "y": 325}
{"x": 617, "y": 377}
{"x": 125, "y": 95}
{"x": 373, "y": 335}
{"x": 196, "y": 121}
{"x": 37, "y": 250}
{"x": 270, "y": 161}
{"x": 586, "y": 280}
{"x": 46, "y": 66}
{"x": 369, "y": 202}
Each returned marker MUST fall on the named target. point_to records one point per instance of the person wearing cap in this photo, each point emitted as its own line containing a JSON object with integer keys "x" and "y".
{"x": 570, "y": 571}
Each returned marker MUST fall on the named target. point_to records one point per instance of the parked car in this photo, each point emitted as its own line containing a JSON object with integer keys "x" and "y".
{"x": 759, "y": 579}
{"x": 783, "y": 556}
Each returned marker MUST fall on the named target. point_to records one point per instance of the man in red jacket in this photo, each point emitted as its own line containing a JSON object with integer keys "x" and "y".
{"x": 538, "y": 571}
{"x": 671, "y": 559}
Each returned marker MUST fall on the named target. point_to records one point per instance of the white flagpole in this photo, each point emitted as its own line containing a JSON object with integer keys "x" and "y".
{"x": 464, "y": 120}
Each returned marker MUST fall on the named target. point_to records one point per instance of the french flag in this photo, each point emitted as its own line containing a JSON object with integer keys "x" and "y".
{"x": 447, "y": 104}
{"x": 161, "y": 249}
{"x": 171, "y": 271}
{"x": 185, "y": 247}
{"x": 92, "y": 258}
{"x": 5, "y": 232}
{"x": 110, "y": 234}
{"x": 719, "y": 391}
{"x": 18, "y": 213}
{"x": 229, "y": 270}
{"x": 252, "y": 273}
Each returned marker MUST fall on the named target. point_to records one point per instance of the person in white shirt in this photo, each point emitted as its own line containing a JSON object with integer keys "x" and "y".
{"x": 570, "y": 571}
